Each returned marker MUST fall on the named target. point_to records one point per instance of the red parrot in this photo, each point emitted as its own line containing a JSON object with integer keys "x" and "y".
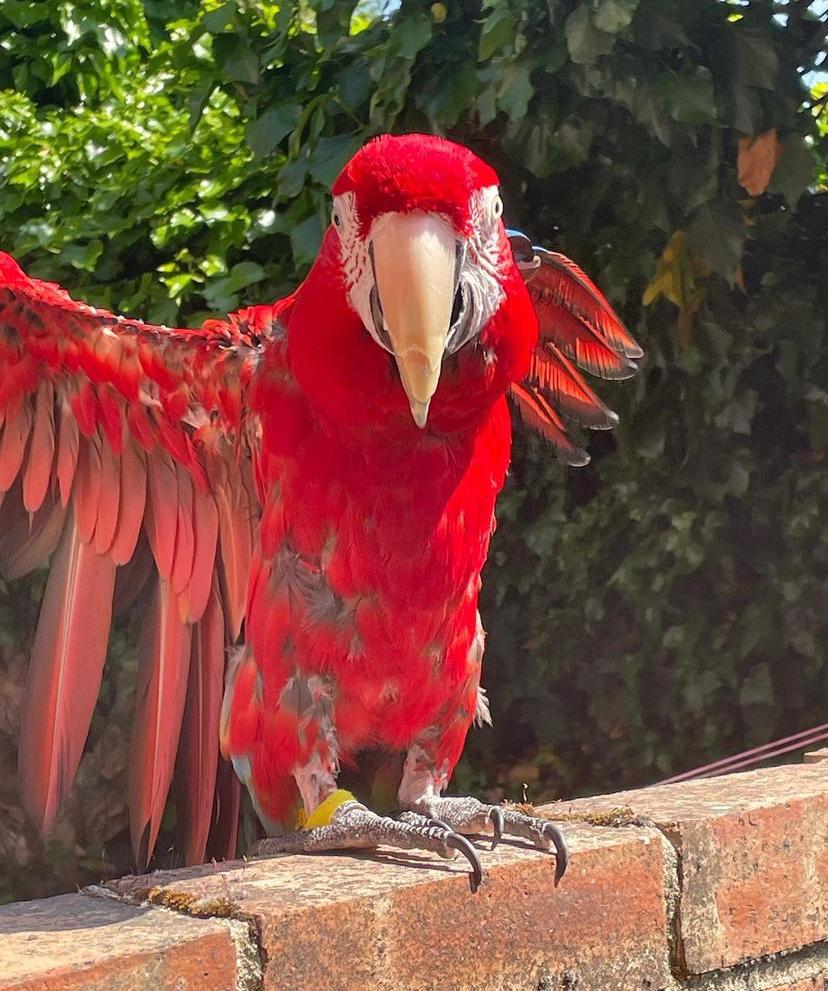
{"x": 307, "y": 488}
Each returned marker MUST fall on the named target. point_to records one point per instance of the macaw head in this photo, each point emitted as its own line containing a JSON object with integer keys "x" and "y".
{"x": 423, "y": 256}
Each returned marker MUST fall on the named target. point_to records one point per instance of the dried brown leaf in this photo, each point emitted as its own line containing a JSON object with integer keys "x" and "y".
{"x": 758, "y": 158}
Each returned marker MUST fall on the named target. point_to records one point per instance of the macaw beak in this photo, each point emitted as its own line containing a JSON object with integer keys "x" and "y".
{"x": 414, "y": 259}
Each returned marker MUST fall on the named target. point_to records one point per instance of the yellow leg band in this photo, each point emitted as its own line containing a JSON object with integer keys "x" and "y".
{"x": 323, "y": 813}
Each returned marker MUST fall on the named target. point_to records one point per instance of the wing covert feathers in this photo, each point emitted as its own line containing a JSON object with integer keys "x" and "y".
{"x": 126, "y": 445}
{"x": 577, "y": 327}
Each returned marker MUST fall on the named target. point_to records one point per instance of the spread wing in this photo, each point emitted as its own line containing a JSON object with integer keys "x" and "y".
{"x": 125, "y": 460}
{"x": 578, "y": 329}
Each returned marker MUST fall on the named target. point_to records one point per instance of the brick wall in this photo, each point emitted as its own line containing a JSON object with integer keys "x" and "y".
{"x": 718, "y": 885}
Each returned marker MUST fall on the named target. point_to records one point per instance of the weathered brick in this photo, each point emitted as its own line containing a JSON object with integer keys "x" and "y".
{"x": 815, "y": 983}
{"x": 391, "y": 921}
{"x": 753, "y": 852}
{"x": 81, "y": 943}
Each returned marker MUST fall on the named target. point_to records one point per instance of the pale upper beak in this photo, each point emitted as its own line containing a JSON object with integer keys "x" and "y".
{"x": 414, "y": 256}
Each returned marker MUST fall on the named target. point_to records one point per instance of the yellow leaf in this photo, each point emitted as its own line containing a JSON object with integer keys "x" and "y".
{"x": 656, "y": 287}
{"x": 757, "y": 160}
{"x": 673, "y": 249}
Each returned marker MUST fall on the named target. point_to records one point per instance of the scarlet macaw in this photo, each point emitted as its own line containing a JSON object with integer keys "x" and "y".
{"x": 313, "y": 482}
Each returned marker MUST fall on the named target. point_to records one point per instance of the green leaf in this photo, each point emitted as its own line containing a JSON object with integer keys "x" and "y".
{"x": 354, "y": 85}
{"x": 795, "y": 170}
{"x": 738, "y": 414}
{"x": 613, "y": 15}
{"x": 292, "y": 178}
{"x": 744, "y": 110}
{"x": 452, "y": 95}
{"x": 657, "y": 25}
{"x": 83, "y": 256}
{"x": 717, "y": 234}
{"x": 217, "y": 20}
{"x": 243, "y": 275}
{"x": 515, "y": 89}
{"x": 236, "y": 58}
{"x": 585, "y": 42}
{"x": 223, "y": 293}
{"x": 305, "y": 239}
{"x": 498, "y": 30}
{"x": 265, "y": 133}
{"x": 688, "y": 95}
{"x": 757, "y": 62}
{"x": 412, "y": 35}
{"x": 328, "y": 157}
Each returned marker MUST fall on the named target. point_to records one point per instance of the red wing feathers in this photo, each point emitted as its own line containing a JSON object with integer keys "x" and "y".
{"x": 536, "y": 412}
{"x": 198, "y": 751}
{"x": 163, "y": 666}
{"x": 577, "y": 326}
{"x": 64, "y": 673}
{"x": 110, "y": 427}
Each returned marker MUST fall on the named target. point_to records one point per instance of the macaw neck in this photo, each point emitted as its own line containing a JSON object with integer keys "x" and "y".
{"x": 352, "y": 384}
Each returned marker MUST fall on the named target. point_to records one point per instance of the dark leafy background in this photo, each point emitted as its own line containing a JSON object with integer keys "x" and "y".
{"x": 665, "y": 606}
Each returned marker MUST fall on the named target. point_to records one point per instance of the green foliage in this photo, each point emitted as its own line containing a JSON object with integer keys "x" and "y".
{"x": 170, "y": 158}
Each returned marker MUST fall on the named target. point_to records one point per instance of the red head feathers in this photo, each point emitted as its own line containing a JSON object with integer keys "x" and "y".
{"x": 414, "y": 172}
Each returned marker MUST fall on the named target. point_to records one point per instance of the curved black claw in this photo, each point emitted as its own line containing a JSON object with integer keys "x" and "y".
{"x": 454, "y": 841}
{"x": 551, "y": 832}
{"x": 497, "y": 820}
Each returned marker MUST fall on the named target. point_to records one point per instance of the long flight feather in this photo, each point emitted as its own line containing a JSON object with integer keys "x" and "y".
{"x": 221, "y": 844}
{"x": 198, "y": 749}
{"x": 164, "y": 660}
{"x": 133, "y": 499}
{"x": 27, "y": 541}
{"x": 64, "y": 674}
{"x": 573, "y": 289}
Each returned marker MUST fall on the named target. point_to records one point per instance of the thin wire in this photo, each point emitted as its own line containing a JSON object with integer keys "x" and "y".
{"x": 754, "y": 756}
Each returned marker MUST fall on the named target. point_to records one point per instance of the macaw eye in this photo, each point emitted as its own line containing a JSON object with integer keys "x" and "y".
{"x": 497, "y": 208}
{"x": 337, "y": 220}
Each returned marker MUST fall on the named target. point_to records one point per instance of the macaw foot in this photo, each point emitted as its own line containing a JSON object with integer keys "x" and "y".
{"x": 468, "y": 816}
{"x": 342, "y": 823}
